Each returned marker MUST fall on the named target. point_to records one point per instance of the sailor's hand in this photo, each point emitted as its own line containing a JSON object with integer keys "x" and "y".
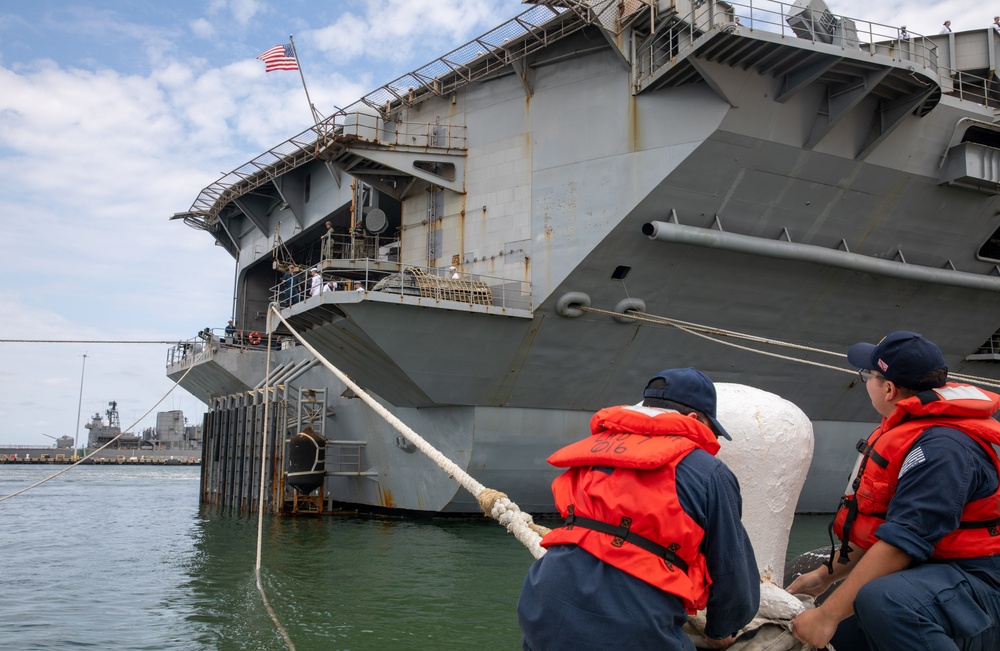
{"x": 813, "y": 627}
{"x": 724, "y": 643}
{"x": 812, "y": 583}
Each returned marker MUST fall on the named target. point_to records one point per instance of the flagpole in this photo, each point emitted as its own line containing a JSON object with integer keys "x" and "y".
{"x": 316, "y": 116}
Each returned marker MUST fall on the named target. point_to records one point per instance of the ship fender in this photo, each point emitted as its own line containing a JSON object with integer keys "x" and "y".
{"x": 569, "y": 304}
{"x": 306, "y": 461}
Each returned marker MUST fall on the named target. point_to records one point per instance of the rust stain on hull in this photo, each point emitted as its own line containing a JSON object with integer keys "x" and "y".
{"x": 385, "y": 498}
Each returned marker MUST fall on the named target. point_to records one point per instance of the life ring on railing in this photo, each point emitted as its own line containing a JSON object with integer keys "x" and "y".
{"x": 254, "y": 338}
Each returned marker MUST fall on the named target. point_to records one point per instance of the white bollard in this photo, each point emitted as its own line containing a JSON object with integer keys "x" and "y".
{"x": 770, "y": 454}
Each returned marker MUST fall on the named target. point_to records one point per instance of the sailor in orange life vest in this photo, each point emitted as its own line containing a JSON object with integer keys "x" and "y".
{"x": 920, "y": 534}
{"x": 652, "y": 531}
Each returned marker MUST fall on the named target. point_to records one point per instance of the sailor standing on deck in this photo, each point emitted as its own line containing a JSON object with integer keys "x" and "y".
{"x": 920, "y": 550}
{"x": 652, "y": 533}
{"x": 315, "y": 282}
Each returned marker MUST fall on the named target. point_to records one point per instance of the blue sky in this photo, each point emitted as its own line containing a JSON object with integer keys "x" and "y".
{"x": 114, "y": 116}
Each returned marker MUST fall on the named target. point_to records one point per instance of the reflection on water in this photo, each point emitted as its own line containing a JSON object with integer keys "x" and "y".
{"x": 356, "y": 583}
{"x": 124, "y": 558}
{"x": 91, "y": 558}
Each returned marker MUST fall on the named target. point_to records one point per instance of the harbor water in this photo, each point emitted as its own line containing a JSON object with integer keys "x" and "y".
{"x": 117, "y": 558}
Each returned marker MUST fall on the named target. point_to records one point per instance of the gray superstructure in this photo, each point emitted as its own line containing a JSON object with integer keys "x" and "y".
{"x": 101, "y": 434}
{"x": 768, "y": 169}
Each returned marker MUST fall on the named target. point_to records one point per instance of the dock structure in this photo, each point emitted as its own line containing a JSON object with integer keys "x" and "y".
{"x": 35, "y": 454}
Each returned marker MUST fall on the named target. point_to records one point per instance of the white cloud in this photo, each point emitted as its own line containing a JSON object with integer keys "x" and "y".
{"x": 202, "y": 28}
{"x": 238, "y": 12}
{"x": 396, "y": 30}
{"x": 244, "y": 10}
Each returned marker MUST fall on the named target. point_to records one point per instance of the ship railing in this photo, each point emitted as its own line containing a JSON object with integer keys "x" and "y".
{"x": 484, "y": 56}
{"x": 971, "y": 88}
{"x": 346, "y": 458}
{"x": 366, "y": 127}
{"x": 335, "y": 248}
{"x": 298, "y": 285}
{"x": 992, "y": 346}
{"x": 341, "y": 246}
{"x": 244, "y": 339}
{"x": 673, "y": 34}
{"x": 210, "y": 340}
{"x": 188, "y": 350}
{"x": 383, "y": 275}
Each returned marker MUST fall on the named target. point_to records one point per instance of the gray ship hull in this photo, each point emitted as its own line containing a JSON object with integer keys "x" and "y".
{"x": 730, "y": 189}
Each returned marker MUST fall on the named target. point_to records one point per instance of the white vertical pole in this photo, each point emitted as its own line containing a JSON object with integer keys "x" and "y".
{"x": 79, "y": 406}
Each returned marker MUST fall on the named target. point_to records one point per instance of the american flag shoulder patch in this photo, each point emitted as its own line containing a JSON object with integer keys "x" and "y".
{"x": 913, "y": 459}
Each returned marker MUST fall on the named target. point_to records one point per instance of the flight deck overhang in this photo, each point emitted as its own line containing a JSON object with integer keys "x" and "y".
{"x": 901, "y": 76}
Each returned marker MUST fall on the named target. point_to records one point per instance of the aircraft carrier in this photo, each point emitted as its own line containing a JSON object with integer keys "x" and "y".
{"x": 524, "y": 230}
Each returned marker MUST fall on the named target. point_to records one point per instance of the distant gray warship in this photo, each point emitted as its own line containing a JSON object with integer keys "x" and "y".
{"x": 500, "y": 223}
{"x": 100, "y": 434}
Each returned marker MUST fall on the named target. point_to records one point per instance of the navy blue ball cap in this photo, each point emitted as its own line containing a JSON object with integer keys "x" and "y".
{"x": 905, "y": 358}
{"x": 691, "y": 388}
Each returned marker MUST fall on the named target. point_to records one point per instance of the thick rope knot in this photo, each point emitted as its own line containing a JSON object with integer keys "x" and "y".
{"x": 513, "y": 519}
{"x": 487, "y": 497}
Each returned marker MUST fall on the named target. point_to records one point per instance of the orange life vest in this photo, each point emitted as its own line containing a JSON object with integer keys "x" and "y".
{"x": 960, "y": 407}
{"x": 631, "y": 518}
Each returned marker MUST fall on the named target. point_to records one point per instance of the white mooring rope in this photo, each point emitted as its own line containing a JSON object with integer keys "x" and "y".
{"x": 704, "y": 331}
{"x": 260, "y": 501}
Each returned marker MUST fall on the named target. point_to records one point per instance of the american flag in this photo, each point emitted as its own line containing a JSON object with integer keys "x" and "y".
{"x": 279, "y": 57}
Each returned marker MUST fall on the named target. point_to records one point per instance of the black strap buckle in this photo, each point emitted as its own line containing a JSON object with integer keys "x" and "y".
{"x": 619, "y": 540}
{"x": 622, "y": 534}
